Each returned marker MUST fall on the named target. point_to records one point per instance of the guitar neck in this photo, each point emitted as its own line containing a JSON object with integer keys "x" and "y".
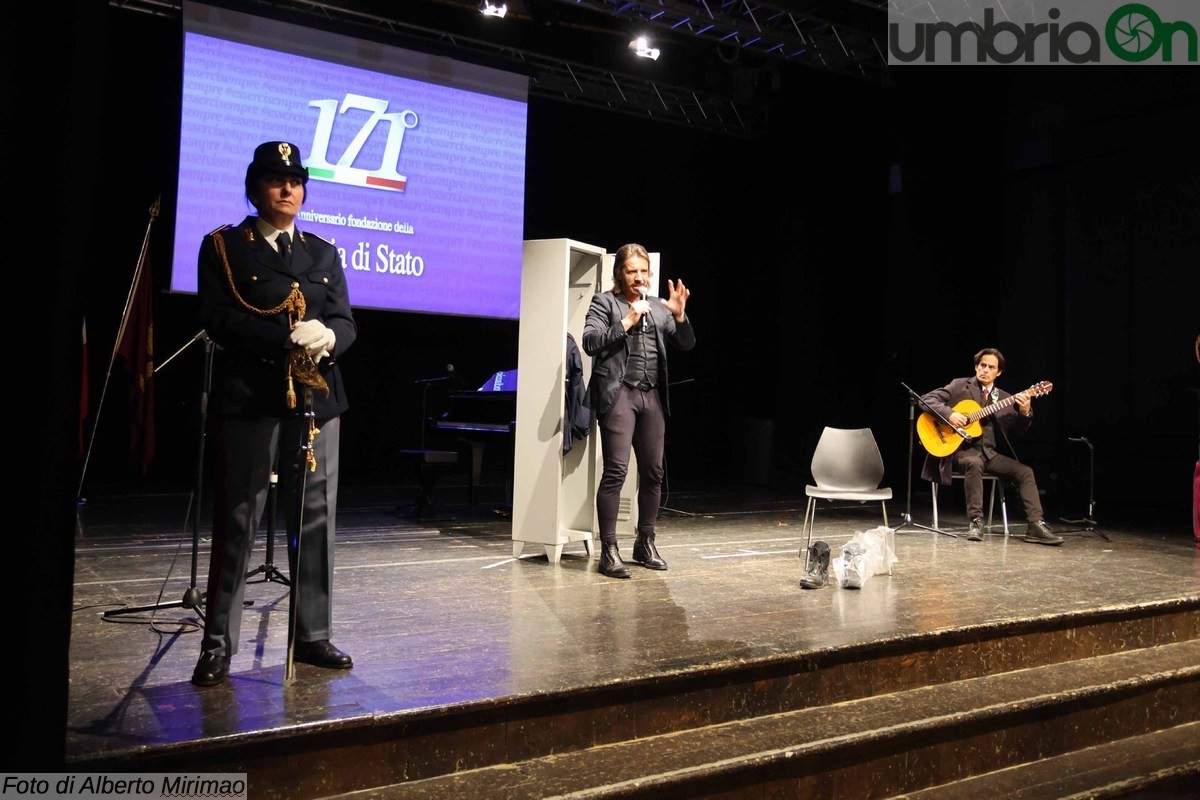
{"x": 992, "y": 408}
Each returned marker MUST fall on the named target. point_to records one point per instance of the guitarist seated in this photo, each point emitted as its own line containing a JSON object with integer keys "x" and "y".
{"x": 964, "y": 402}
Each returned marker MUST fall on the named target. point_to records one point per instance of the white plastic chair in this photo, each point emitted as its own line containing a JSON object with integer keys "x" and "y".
{"x": 846, "y": 466}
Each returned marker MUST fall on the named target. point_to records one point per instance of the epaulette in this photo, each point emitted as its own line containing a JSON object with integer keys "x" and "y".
{"x": 303, "y": 234}
{"x": 215, "y": 230}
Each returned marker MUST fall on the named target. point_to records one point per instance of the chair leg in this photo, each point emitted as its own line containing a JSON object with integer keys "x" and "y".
{"x": 991, "y": 504}
{"x": 934, "y": 485}
{"x": 1004, "y": 511}
{"x": 808, "y": 526}
{"x": 476, "y": 472}
{"x": 890, "y": 538}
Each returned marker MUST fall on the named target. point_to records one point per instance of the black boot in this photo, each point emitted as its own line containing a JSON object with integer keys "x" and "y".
{"x": 816, "y": 571}
{"x": 611, "y": 563}
{"x": 645, "y": 553}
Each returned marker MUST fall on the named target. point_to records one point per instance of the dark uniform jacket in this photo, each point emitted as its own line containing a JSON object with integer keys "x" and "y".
{"x": 250, "y": 367}
{"x": 607, "y": 342}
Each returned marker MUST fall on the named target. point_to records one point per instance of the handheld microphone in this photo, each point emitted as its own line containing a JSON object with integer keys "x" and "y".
{"x": 642, "y": 292}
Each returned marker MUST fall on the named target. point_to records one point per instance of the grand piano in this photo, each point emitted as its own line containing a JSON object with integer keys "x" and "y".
{"x": 481, "y": 419}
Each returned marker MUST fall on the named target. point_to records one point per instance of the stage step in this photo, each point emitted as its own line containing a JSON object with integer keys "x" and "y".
{"x": 1140, "y": 705}
{"x": 917, "y": 710}
{"x": 1166, "y": 763}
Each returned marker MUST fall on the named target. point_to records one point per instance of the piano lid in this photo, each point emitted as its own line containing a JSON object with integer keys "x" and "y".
{"x": 502, "y": 381}
{"x": 490, "y": 409}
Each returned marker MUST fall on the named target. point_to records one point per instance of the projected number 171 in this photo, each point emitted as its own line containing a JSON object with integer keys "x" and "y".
{"x": 386, "y": 176}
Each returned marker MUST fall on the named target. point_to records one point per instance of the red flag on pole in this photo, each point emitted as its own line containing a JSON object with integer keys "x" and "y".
{"x": 137, "y": 352}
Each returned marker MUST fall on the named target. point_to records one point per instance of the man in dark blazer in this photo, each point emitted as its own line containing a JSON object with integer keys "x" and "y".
{"x": 274, "y": 299}
{"x": 980, "y": 455}
{"x": 626, "y": 334}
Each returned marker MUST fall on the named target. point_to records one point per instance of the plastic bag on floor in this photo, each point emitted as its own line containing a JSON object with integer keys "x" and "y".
{"x": 867, "y": 553}
{"x": 850, "y": 567}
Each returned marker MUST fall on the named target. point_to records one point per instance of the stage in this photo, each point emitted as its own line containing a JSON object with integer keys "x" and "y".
{"x": 466, "y": 657}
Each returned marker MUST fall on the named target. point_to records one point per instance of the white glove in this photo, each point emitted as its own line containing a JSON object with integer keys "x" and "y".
{"x": 316, "y": 339}
{"x": 306, "y": 333}
{"x": 323, "y": 347}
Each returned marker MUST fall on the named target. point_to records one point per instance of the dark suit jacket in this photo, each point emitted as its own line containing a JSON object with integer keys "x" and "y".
{"x": 607, "y": 342}
{"x": 250, "y": 369}
{"x": 577, "y": 414}
{"x": 943, "y": 401}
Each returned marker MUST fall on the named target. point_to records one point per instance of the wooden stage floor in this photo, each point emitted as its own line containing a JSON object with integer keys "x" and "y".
{"x": 441, "y": 616}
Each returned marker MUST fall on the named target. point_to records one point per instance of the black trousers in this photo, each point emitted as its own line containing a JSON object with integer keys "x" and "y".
{"x": 635, "y": 420}
{"x": 244, "y": 456}
{"x": 971, "y": 462}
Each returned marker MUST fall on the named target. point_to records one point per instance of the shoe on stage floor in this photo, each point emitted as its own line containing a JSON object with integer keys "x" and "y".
{"x": 322, "y": 654}
{"x": 816, "y": 573}
{"x": 646, "y": 554}
{"x": 611, "y": 563}
{"x": 1039, "y": 533}
{"x": 210, "y": 670}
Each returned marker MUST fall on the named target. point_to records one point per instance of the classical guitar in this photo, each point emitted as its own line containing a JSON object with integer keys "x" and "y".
{"x": 941, "y": 440}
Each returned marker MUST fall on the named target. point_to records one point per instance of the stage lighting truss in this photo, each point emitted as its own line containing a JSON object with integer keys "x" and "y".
{"x": 585, "y": 84}
{"x": 845, "y": 37}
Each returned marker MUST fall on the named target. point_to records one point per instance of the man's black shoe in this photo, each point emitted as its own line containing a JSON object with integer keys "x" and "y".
{"x": 1039, "y": 533}
{"x": 646, "y": 554}
{"x": 611, "y": 563}
{"x": 322, "y": 654}
{"x": 816, "y": 571}
{"x": 975, "y": 531}
{"x": 210, "y": 670}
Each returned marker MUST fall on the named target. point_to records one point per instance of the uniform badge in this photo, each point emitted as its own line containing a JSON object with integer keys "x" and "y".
{"x": 285, "y": 151}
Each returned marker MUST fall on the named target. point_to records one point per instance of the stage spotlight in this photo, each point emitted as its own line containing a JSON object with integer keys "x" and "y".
{"x": 641, "y": 46}
{"x": 490, "y": 9}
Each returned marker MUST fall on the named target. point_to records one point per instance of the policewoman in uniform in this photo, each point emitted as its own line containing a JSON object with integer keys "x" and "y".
{"x": 274, "y": 299}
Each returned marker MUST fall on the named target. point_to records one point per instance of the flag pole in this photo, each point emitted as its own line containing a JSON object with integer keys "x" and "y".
{"x": 137, "y": 275}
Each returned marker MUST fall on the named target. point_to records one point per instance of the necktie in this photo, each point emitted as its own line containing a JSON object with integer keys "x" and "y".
{"x": 284, "y": 243}
{"x": 987, "y": 393}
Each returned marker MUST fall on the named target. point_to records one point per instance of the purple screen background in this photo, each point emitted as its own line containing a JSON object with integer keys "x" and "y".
{"x": 458, "y": 223}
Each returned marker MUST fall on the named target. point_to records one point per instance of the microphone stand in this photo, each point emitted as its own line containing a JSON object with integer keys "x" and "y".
{"x": 422, "y": 509}
{"x": 192, "y": 597}
{"x": 913, "y": 400}
{"x": 1089, "y": 523}
{"x": 270, "y": 573}
{"x": 425, "y": 384}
